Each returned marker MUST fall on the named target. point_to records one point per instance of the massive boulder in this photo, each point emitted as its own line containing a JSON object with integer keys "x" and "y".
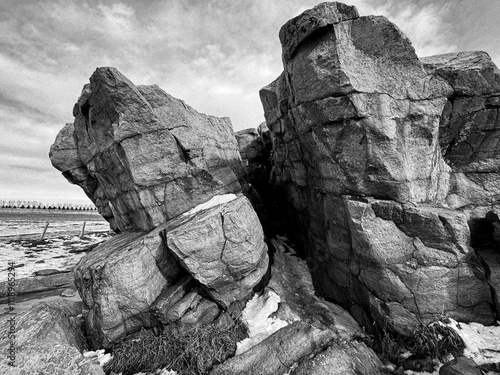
{"x": 358, "y": 124}
{"x": 148, "y": 156}
{"x": 183, "y": 270}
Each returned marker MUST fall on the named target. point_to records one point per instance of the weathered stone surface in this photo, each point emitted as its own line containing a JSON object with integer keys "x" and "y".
{"x": 357, "y": 122}
{"x": 177, "y": 311}
{"x": 65, "y": 157}
{"x": 202, "y": 314}
{"x": 277, "y": 353}
{"x": 47, "y": 341}
{"x": 292, "y": 281}
{"x": 39, "y": 284}
{"x": 355, "y": 115}
{"x": 119, "y": 281}
{"x": 222, "y": 247}
{"x": 170, "y": 297}
{"x": 153, "y": 156}
{"x": 49, "y": 271}
{"x": 304, "y": 326}
{"x": 469, "y": 131}
{"x": 460, "y": 366}
{"x": 135, "y": 280}
{"x": 342, "y": 358}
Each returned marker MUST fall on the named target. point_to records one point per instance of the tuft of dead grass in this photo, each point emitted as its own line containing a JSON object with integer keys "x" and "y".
{"x": 437, "y": 340}
{"x": 434, "y": 341}
{"x": 189, "y": 352}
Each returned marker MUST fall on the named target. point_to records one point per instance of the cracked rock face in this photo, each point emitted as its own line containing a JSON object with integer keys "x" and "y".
{"x": 137, "y": 280}
{"x": 64, "y": 156}
{"x": 359, "y": 124}
{"x": 222, "y": 247}
{"x": 119, "y": 281}
{"x": 469, "y": 132}
{"x": 150, "y": 155}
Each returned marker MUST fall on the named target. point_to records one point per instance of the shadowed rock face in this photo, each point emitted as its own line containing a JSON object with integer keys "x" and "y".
{"x": 148, "y": 155}
{"x": 469, "y": 132}
{"x": 359, "y": 128}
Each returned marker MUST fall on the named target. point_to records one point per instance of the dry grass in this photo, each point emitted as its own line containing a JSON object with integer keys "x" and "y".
{"x": 191, "y": 352}
{"x": 437, "y": 340}
{"x": 434, "y": 341}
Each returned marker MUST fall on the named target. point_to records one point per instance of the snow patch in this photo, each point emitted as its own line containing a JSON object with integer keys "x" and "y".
{"x": 482, "y": 343}
{"x": 99, "y": 355}
{"x": 215, "y": 201}
{"x": 256, "y": 317}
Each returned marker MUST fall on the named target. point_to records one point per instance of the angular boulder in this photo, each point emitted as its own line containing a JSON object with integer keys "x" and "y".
{"x": 221, "y": 244}
{"x": 152, "y": 156}
{"x": 357, "y": 123}
{"x": 47, "y": 340}
{"x": 138, "y": 280}
{"x": 119, "y": 281}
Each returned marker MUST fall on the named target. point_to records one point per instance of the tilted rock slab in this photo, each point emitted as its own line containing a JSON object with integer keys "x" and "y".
{"x": 152, "y": 156}
{"x": 135, "y": 280}
{"x": 354, "y": 115}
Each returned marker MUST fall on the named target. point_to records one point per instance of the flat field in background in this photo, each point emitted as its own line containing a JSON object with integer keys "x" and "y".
{"x": 18, "y": 222}
{"x": 62, "y": 246}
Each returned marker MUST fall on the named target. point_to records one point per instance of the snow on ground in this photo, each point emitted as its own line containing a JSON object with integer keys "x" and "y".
{"x": 59, "y": 253}
{"x": 256, "y": 316}
{"x": 215, "y": 201}
{"x": 482, "y": 343}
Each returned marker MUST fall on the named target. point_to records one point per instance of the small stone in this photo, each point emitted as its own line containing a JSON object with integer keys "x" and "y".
{"x": 460, "y": 366}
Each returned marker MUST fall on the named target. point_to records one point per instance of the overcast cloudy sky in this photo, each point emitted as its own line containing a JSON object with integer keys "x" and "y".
{"x": 214, "y": 54}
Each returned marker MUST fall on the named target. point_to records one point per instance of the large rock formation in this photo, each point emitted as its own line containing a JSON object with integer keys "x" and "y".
{"x": 358, "y": 126}
{"x": 144, "y": 155}
{"x": 212, "y": 255}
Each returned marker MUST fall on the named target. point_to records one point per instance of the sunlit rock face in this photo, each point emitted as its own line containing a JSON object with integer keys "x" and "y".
{"x": 152, "y": 156}
{"x": 359, "y": 124}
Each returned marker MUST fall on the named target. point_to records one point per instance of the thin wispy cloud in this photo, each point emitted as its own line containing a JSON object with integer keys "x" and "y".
{"x": 214, "y": 54}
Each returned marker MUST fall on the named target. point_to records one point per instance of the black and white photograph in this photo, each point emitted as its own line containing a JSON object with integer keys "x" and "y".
{"x": 258, "y": 187}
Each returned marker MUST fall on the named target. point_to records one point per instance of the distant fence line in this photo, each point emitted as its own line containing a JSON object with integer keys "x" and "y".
{"x": 45, "y": 206}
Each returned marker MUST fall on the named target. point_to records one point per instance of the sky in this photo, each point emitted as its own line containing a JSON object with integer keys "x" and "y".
{"x": 213, "y": 54}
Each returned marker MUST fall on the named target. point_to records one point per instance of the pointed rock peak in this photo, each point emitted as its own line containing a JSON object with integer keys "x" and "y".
{"x": 304, "y": 25}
